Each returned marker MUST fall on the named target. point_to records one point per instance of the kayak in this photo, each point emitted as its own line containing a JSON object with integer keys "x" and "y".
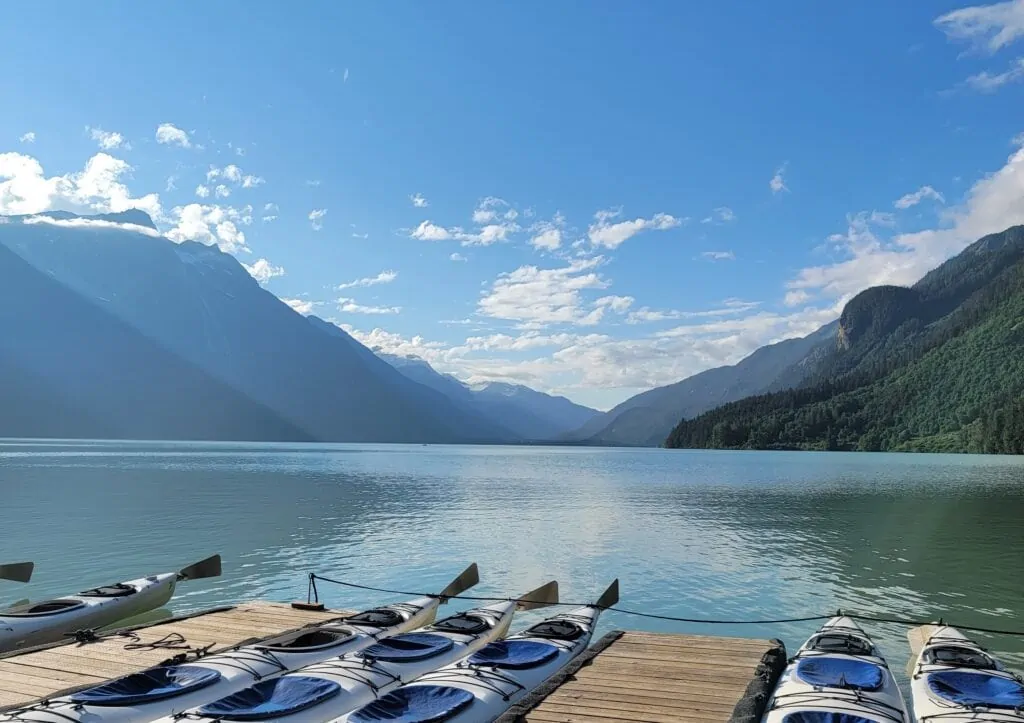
{"x": 167, "y": 690}
{"x": 17, "y": 571}
{"x": 325, "y": 691}
{"x": 28, "y": 625}
{"x": 956, "y": 680}
{"x": 837, "y": 676}
{"x": 482, "y": 687}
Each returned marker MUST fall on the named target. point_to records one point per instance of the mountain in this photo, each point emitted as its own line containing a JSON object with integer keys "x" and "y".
{"x": 647, "y": 418}
{"x": 937, "y": 366}
{"x": 202, "y": 306}
{"x": 528, "y": 414}
{"x": 72, "y": 370}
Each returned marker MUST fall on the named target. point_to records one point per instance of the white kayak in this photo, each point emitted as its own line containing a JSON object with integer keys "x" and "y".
{"x": 325, "y": 691}
{"x": 168, "y": 690}
{"x": 482, "y": 687}
{"x": 28, "y": 625}
{"x": 837, "y": 676}
{"x": 956, "y": 680}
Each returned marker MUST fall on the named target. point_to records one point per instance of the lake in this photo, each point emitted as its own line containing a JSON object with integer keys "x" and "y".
{"x": 736, "y": 535}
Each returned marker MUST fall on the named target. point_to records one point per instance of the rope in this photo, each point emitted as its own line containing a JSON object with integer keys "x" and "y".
{"x": 908, "y": 622}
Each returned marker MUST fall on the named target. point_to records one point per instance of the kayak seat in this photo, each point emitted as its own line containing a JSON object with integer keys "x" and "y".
{"x": 958, "y": 656}
{"x": 556, "y": 629}
{"x": 47, "y": 607}
{"x": 148, "y": 686}
{"x": 824, "y": 716}
{"x": 118, "y": 590}
{"x": 311, "y": 640}
{"x": 378, "y": 618}
{"x": 273, "y": 698}
{"x": 981, "y": 689}
{"x": 837, "y": 643}
{"x": 414, "y": 646}
{"x": 415, "y": 704}
{"x": 468, "y": 624}
{"x": 827, "y": 672}
{"x": 514, "y": 654}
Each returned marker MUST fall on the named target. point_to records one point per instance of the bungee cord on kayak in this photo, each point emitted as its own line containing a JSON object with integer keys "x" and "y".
{"x": 312, "y": 594}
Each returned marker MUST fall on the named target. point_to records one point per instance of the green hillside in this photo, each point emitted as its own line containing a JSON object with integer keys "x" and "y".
{"x": 935, "y": 368}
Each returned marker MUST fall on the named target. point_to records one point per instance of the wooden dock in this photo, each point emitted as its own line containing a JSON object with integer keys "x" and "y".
{"x": 657, "y": 678}
{"x": 31, "y": 675}
{"x": 624, "y": 677}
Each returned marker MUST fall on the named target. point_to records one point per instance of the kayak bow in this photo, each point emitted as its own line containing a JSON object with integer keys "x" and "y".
{"x": 32, "y": 624}
{"x": 837, "y": 675}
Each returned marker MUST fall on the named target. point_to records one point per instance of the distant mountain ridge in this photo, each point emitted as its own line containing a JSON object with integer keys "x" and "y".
{"x": 647, "y": 418}
{"x": 198, "y": 304}
{"x": 937, "y": 366}
{"x": 528, "y": 414}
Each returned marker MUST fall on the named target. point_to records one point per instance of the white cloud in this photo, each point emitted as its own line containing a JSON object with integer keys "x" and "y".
{"x": 428, "y": 231}
{"x": 457, "y": 257}
{"x": 486, "y": 235}
{"x": 985, "y": 27}
{"x": 986, "y": 82}
{"x": 25, "y": 188}
{"x": 93, "y": 223}
{"x": 612, "y": 235}
{"x": 777, "y": 184}
{"x": 795, "y": 298}
{"x": 360, "y": 235}
{"x": 618, "y": 304}
{"x": 222, "y": 191}
{"x": 263, "y": 271}
{"x": 313, "y": 183}
{"x": 384, "y": 277}
{"x": 418, "y": 200}
{"x": 722, "y": 214}
{"x": 344, "y": 77}
{"x": 489, "y": 210}
{"x": 211, "y": 225}
{"x": 316, "y": 218}
{"x": 252, "y": 181}
{"x": 548, "y": 240}
{"x": 719, "y": 255}
{"x": 269, "y": 219}
{"x": 270, "y": 208}
{"x": 534, "y": 296}
{"x": 108, "y": 140}
{"x": 202, "y": 191}
{"x": 168, "y": 134}
{"x": 730, "y": 307}
{"x": 171, "y": 184}
{"x": 351, "y": 307}
{"x": 912, "y": 199}
{"x": 302, "y": 306}
{"x": 29, "y": 137}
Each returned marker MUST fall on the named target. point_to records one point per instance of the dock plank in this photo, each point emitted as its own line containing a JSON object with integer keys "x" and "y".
{"x": 31, "y": 675}
{"x": 652, "y": 678}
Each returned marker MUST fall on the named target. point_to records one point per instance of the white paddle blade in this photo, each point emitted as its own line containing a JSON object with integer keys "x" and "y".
{"x": 609, "y": 597}
{"x": 17, "y": 571}
{"x": 542, "y": 597}
{"x": 210, "y": 567}
{"x": 466, "y": 579}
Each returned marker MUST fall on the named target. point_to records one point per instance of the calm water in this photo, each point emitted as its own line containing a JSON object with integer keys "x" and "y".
{"x": 712, "y": 534}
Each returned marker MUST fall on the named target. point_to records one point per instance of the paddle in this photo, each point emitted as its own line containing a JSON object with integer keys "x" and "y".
{"x": 17, "y": 571}
{"x": 466, "y": 579}
{"x": 609, "y": 597}
{"x": 542, "y": 597}
{"x": 210, "y": 567}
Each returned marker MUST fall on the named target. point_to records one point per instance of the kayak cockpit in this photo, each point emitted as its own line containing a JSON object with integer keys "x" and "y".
{"x": 309, "y": 640}
{"x": 377, "y": 618}
{"x": 462, "y": 623}
{"x": 514, "y": 654}
{"x": 274, "y": 698}
{"x": 148, "y": 686}
{"x": 42, "y": 609}
{"x": 410, "y": 647}
{"x": 120, "y": 589}
{"x": 958, "y": 656}
{"x": 415, "y": 704}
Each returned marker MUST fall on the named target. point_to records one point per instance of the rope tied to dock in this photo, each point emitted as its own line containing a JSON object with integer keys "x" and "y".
{"x": 893, "y": 620}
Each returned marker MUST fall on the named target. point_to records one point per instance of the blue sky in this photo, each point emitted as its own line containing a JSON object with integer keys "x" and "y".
{"x": 589, "y": 198}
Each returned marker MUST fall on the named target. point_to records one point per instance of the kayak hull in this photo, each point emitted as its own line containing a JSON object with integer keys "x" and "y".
{"x": 359, "y": 678}
{"x": 838, "y": 672}
{"x": 497, "y": 683}
{"x": 236, "y": 669}
{"x": 50, "y": 621}
{"x": 949, "y": 652}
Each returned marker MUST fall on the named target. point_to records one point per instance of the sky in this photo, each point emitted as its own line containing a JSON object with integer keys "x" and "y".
{"x": 591, "y": 199}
